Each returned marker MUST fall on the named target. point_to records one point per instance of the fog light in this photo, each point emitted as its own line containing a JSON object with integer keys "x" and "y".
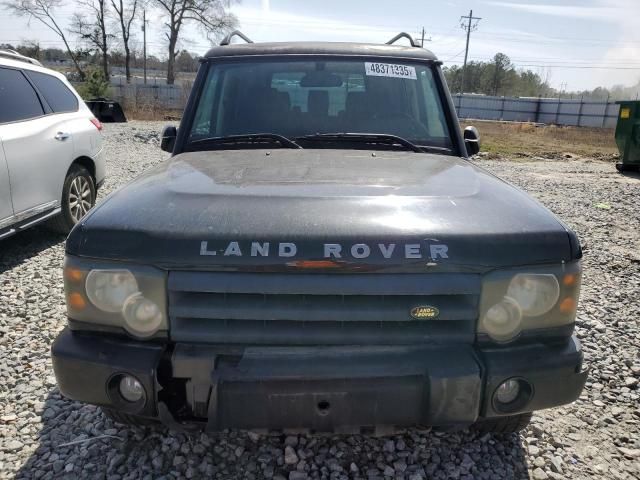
{"x": 131, "y": 389}
{"x": 512, "y": 395}
{"x": 507, "y": 391}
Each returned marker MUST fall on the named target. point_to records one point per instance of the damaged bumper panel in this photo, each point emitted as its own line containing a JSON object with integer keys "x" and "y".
{"x": 319, "y": 388}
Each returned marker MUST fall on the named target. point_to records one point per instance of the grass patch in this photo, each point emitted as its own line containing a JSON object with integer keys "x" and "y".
{"x": 498, "y": 139}
{"x": 528, "y": 139}
{"x": 152, "y": 112}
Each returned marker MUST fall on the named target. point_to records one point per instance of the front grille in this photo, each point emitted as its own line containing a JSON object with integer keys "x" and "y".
{"x": 313, "y": 309}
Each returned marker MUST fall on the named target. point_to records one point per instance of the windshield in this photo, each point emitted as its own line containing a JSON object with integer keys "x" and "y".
{"x": 297, "y": 98}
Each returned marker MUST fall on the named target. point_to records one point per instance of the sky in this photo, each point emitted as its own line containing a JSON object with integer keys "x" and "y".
{"x": 575, "y": 44}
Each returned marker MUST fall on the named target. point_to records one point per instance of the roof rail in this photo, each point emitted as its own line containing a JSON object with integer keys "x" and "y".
{"x": 404, "y": 35}
{"x": 13, "y": 55}
{"x": 236, "y": 33}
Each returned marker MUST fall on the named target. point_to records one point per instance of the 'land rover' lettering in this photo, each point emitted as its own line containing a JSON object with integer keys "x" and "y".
{"x": 261, "y": 249}
{"x": 387, "y": 250}
{"x": 233, "y": 249}
{"x": 332, "y": 250}
{"x": 412, "y": 250}
{"x": 287, "y": 250}
{"x": 438, "y": 251}
{"x": 358, "y": 251}
{"x": 204, "y": 249}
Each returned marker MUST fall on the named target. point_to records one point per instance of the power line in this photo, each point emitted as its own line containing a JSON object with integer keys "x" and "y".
{"x": 68, "y": 14}
{"x": 468, "y": 27}
{"x": 546, "y": 39}
{"x": 518, "y": 64}
{"x": 455, "y": 56}
{"x": 590, "y": 67}
{"x": 561, "y": 63}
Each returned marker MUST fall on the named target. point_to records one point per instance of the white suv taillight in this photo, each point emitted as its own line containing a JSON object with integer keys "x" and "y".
{"x": 96, "y": 123}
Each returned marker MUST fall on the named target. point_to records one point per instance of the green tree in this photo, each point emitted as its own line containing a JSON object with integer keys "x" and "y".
{"x": 497, "y": 77}
{"x": 95, "y": 86}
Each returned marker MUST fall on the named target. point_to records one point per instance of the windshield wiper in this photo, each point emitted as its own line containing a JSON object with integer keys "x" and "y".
{"x": 434, "y": 149}
{"x": 363, "y": 137}
{"x": 246, "y": 138}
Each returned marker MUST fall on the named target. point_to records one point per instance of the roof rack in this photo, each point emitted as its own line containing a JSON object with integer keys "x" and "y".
{"x": 404, "y": 35}
{"x": 236, "y": 33}
{"x": 13, "y": 55}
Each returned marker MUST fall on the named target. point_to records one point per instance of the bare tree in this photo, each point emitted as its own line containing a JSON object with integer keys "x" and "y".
{"x": 210, "y": 15}
{"x": 31, "y": 48}
{"x": 126, "y": 13}
{"x": 94, "y": 32}
{"x": 44, "y": 12}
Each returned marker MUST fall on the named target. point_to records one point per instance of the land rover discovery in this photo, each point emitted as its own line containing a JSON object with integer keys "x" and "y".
{"x": 320, "y": 253}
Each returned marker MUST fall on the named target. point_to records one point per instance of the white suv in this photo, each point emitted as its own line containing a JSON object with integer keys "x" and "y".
{"x": 51, "y": 161}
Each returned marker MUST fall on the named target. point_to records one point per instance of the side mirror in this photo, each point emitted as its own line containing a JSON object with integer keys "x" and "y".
{"x": 472, "y": 140}
{"x": 168, "y": 139}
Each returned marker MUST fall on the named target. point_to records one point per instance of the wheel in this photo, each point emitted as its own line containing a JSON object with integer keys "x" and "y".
{"x": 511, "y": 424}
{"x": 78, "y": 197}
{"x": 129, "y": 419}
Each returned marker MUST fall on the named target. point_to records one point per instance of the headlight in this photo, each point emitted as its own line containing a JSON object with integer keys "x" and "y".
{"x": 503, "y": 320}
{"x": 534, "y": 293}
{"x": 109, "y": 289}
{"x": 141, "y": 315}
{"x": 107, "y": 294}
{"x": 531, "y": 298}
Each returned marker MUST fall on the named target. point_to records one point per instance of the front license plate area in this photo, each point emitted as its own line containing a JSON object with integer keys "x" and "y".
{"x": 322, "y": 405}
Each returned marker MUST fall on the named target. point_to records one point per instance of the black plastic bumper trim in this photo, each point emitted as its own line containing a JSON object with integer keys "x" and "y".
{"x": 554, "y": 372}
{"x": 321, "y": 388}
{"x": 84, "y": 364}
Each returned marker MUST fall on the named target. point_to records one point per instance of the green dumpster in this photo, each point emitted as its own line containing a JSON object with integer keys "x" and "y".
{"x": 628, "y": 136}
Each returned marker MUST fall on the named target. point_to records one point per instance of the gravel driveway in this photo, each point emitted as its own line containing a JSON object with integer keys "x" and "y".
{"x": 43, "y": 435}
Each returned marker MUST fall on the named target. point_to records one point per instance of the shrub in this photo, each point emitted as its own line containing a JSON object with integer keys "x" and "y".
{"x": 94, "y": 86}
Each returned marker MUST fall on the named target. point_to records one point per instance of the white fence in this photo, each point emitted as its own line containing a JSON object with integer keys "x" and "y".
{"x": 541, "y": 110}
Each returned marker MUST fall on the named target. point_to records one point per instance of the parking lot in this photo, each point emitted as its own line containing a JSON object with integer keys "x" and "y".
{"x": 45, "y": 436}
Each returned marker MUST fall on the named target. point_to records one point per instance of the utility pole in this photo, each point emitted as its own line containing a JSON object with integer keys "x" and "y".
{"x": 144, "y": 44}
{"x": 563, "y": 87}
{"x": 468, "y": 27}
{"x": 423, "y": 38}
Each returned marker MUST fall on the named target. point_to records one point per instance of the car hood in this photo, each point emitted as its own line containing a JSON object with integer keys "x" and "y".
{"x": 356, "y": 209}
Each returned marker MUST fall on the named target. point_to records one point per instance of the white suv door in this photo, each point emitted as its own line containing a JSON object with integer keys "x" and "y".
{"x": 37, "y": 145}
{"x": 6, "y": 208}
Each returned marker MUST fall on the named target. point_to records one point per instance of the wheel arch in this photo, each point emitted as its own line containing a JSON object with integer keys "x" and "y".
{"x": 87, "y": 163}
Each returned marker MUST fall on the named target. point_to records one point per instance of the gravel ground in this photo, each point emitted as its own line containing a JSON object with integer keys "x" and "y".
{"x": 42, "y": 435}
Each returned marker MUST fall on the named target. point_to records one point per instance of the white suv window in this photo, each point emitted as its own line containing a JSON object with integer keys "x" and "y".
{"x": 18, "y": 99}
{"x": 57, "y": 95}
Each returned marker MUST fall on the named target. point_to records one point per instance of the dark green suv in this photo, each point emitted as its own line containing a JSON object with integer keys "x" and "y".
{"x": 320, "y": 253}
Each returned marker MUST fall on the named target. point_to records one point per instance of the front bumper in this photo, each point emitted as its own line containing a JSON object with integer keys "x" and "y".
{"x": 319, "y": 388}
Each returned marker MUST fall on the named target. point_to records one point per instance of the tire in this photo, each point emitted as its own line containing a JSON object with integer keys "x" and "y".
{"x": 504, "y": 425}
{"x": 78, "y": 184}
{"x": 129, "y": 419}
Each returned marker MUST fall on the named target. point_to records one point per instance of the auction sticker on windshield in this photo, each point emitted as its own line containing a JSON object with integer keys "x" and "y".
{"x": 390, "y": 70}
